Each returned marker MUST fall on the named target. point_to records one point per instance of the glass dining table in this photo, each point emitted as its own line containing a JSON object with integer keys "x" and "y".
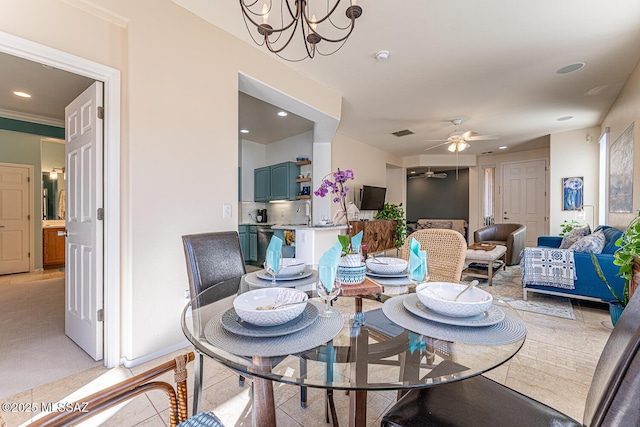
{"x": 385, "y": 343}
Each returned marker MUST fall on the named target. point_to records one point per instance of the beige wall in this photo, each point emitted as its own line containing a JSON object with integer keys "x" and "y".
{"x": 571, "y": 155}
{"x": 369, "y": 164}
{"x": 626, "y": 110}
{"x": 180, "y": 83}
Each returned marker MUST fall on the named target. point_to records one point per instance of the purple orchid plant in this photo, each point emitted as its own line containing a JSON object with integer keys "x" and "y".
{"x": 339, "y": 191}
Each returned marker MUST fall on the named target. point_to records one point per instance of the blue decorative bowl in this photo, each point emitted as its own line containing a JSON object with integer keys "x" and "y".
{"x": 352, "y": 275}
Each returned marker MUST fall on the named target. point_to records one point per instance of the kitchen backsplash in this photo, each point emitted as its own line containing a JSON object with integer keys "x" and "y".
{"x": 281, "y": 213}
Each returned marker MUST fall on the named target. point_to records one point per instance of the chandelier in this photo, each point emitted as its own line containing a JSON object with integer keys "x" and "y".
{"x": 294, "y": 15}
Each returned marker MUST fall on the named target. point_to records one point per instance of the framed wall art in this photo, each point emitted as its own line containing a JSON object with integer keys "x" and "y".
{"x": 572, "y": 193}
{"x": 621, "y": 172}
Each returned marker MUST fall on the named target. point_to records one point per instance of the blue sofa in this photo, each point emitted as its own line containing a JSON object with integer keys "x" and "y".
{"x": 587, "y": 284}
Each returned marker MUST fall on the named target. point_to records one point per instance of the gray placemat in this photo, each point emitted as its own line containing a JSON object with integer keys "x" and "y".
{"x": 508, "y": 331}
{"x": 392, "y": 281}
{"x": 253, "y": 280}
{"x": 319, "y": 332}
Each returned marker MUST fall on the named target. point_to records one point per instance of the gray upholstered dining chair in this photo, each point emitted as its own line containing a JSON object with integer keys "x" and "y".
{"x": 211, "y": 259}
{"x": 513, "y": 236}
{"x": 612, "y": 399}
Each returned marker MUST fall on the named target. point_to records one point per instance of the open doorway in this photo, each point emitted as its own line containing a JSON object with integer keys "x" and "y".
{"x": 110, "y": 281}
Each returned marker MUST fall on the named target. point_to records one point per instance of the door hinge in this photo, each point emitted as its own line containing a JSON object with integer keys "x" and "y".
{"x": 100, "y": 214}
{"x": 100, "y": 112}
{"x": 28, "y": 217}
{"x": 28, "y": 179}
{"x": 100, "y": 316}
{"x": 28, "y": 254}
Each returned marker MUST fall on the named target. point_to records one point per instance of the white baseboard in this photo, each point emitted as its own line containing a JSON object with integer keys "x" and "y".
{"x": 134, "y": 362}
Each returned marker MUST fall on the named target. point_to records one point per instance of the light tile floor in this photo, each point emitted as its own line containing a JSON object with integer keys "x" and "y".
{"x": 555, "y": 366}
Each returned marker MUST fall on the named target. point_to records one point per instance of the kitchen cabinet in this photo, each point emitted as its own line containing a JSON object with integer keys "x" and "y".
{"x": 378, "y": 235}
{"x": 53, "y": 247}
{"x": 248, "y": 235}
{"x": 276, "y": 182}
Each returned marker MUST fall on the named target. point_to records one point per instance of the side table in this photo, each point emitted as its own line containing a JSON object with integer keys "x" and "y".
{"x": 480, "y": 256}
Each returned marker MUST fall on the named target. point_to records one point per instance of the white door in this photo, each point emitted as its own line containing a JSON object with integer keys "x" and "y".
{"x": 15, "y": 224}
{"x": 84, "y": 278}
{"x": 524, "y": 199}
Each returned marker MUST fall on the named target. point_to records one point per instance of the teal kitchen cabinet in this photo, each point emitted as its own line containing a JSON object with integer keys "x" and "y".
{"x": 276, "y": 182}
{"x": 253, "y": 243}
{"x": 248, "y": 235}
{"x": 262, "y": 184}
{"x": 243, "y": 234}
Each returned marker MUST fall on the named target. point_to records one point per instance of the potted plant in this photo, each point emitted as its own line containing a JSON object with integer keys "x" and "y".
{"x": 627, "y": 257}
{"x": 567, "y": 226}
{"x": 395, "y": 212}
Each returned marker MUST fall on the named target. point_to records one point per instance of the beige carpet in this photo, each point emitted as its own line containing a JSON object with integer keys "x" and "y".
{"x": 33, "y": 347}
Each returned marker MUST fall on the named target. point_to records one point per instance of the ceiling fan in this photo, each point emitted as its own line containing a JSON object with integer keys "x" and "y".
{"x": 459, "y": 140}
{"x": 429, "y": 174}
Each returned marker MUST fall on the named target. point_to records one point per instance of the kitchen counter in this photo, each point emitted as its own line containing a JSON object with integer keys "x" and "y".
{"x": 307, "y": 227}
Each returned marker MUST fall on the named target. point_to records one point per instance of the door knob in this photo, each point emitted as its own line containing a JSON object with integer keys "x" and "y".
{"x": 64, "y": 233}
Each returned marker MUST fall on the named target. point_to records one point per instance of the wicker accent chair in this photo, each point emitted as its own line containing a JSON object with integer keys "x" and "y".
{"x": 128, "y": 389}
{"x": 446, "y": 251}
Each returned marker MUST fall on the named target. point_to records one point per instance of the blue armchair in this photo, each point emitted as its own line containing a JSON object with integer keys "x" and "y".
{"x": 587, "y": 284}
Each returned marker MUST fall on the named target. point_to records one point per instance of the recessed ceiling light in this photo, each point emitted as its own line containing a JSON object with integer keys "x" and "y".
{"x": 283, "y": 113}
{"x": 570, "y": 68}
{"x": 244, "y": 130}
{"x": 412, "y": 172}
{"x": 565, "y": 118}
{"x": 21, "y": 94}
{"x": 504, "y": 147}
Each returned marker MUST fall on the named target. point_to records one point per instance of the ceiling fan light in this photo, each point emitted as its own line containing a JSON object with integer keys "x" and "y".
{"x": 462, "y": 146}
{"x": 452, "y": 147}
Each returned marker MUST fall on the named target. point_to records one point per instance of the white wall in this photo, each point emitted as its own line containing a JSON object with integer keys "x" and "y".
{"x": 624, "y": 111}
{"x": 253, "y": 156}
{"x": 571, "y": 155}
{"x": 369, "y": 166}
{"x": 288, "y": 149}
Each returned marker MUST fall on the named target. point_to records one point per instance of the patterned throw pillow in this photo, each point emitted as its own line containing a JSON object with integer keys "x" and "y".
{"x": 573, "y": 236}
{"x": 593, "y": 242}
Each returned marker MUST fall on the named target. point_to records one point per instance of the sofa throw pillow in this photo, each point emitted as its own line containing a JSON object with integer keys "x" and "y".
{"x": 593, "y": 242}
{"x": 573, "y": 236}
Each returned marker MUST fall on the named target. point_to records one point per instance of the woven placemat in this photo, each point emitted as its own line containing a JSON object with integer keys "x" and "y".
{"x": 254, "y": 281}
{"x": 319, "y": 332}
{"x": 510, "y": 330}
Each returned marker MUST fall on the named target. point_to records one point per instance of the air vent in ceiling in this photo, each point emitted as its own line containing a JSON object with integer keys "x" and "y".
{"x": 402, "y": 133}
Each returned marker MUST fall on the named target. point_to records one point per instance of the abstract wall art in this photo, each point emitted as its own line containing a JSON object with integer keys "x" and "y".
{"x": 621, "y": 173}
{"x": 572, "y": 193}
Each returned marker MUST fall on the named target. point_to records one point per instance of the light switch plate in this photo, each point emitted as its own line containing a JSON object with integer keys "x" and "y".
{"x": 226, "y": 211}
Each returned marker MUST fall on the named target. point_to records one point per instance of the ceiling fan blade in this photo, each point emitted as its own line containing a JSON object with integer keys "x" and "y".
{"x": 439, "y": 175}
{"x": 435, "y": 140}
{"x": 436, "y": 146}
{"x": 420, "y": 175}
{"x": 482, "y": 137}
{"x": 468, "y": 134}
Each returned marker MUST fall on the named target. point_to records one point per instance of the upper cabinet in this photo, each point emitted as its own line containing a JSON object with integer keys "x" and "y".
{"x": 276, "y": 182}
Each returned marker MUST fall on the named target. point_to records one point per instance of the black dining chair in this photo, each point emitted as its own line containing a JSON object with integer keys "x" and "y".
{"x": 212, "y": 258}
{"x": 613, "y": 398}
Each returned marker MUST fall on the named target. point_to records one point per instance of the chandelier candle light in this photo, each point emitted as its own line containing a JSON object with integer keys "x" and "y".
{"x": 299, "y": 14}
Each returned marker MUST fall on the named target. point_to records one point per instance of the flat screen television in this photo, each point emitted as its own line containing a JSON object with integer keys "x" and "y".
{"x": 372, "y": 198}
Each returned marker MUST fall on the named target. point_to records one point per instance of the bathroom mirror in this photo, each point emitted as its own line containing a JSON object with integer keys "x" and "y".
{"x": 53, "y": 184}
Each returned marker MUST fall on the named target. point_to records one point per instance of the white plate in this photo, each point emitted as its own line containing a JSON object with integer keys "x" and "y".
{"x": 232, "y": 323}
{"x": 262, "y": 274}
{"x": 372, "y": 274}
{"x": 490, "y": 317}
